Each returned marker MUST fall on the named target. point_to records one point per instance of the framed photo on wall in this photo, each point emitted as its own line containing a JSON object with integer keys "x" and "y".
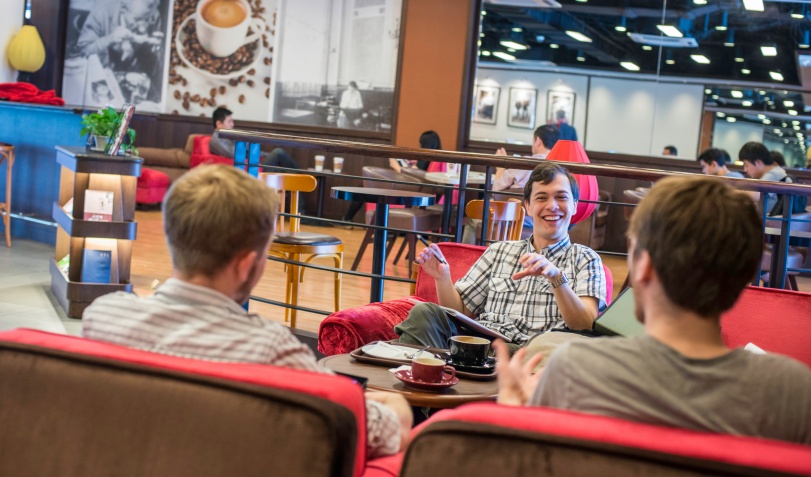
{"x": 486, "y": 104}
{"x": 522, "y": 108}
{"x": 559, "y": 106}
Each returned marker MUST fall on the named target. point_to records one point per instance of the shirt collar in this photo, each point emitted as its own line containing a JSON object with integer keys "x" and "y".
{"x": 183, "y": 290}
{"x": 552, "y": 250}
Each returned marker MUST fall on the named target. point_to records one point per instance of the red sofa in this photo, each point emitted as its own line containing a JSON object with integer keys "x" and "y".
{"x": 76, "y": 407}
{"x": 349, "y": 329}
{"x": 488, "y": 439}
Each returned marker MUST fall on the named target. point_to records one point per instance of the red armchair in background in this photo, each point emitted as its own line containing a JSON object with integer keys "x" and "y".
{"x": 202, "y": 155}
{"x": 71, "y": 406}
{"x": 486, "y": 439}
{"x": 349, "y": 329}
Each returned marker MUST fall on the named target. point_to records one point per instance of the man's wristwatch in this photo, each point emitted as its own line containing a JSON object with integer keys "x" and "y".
{"x": 559, "y": 280}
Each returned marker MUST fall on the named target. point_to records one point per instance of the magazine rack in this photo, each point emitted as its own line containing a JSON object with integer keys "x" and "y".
{"x": 82, "y": 170}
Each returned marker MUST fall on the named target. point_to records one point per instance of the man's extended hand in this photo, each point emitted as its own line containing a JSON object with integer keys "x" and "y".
{"x": 400, "y": 406}
{"x": 428, "y": 260}
{"x": 516, "y": 383}
{"x": 501, "y": 152}
{"x": 536, "y": 264}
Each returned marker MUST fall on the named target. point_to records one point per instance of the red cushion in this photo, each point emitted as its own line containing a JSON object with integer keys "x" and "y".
{"x": 778, "y": 321}
{"x": 349, "y": 329}
{"x": 460, "y": 256}
{"x": 388, "y": 466}
{"x": 201, "y": 154}
{"x": 737, "y": 450}
{"x": 151, "y": 187}
{"x": 334, "y": 388}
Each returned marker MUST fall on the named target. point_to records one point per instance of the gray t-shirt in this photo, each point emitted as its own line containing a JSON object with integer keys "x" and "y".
{"x": 641, "y": 379}
{"x": 776, "y": 174}
{"x": 734, "y": 174}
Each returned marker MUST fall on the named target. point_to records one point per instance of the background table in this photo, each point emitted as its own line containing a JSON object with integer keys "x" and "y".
{"x": 383, "y": 198}
{"x": 475, "y": 178}
{"x": 380, "y": 379}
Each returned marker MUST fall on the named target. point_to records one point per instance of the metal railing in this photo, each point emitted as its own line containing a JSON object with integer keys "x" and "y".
{"x": 248, "y": 153}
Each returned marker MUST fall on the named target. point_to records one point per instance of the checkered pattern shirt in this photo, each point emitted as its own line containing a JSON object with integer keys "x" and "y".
{"x": 519, "y": 309}
{"x": 192, "y": 321}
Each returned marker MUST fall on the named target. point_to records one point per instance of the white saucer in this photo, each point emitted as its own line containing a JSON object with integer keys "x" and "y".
{"x": 180, "y": 38}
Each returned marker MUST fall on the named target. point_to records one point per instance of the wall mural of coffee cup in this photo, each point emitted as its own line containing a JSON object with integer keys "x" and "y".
{"x": 222, "y": 55}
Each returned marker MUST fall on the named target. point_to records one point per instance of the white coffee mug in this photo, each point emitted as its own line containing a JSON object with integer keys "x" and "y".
{"x": 225, "y": 41}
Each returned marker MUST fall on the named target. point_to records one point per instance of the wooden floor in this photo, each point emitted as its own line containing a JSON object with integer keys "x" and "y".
{"x": 150, "y": 262}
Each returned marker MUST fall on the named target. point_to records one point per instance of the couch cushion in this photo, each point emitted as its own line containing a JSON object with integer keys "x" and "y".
{"x": 349, "y": 329}
{"x": 95, "y": 407}
{"x": 460, "y": 256}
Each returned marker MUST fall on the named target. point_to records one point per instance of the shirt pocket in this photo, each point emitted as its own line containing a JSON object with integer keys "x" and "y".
{"x": 503, "y": 299}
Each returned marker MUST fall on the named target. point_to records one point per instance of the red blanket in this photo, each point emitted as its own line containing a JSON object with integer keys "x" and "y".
{"x": 28, "y": 93}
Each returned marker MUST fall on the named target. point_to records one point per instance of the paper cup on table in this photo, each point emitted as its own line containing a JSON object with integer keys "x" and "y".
{"x": 319, "y": 163}
{"x": 338, "y": 164}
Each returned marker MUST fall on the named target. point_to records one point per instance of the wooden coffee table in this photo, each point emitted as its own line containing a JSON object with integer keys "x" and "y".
{"x": 380, "y": 379}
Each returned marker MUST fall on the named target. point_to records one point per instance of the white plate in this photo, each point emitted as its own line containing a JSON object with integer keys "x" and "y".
{"x": 180, "y": 38}
{"x": 389, "y": 351}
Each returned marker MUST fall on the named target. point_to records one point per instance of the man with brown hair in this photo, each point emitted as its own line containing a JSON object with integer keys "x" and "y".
{"x": 694, "y": 244}
{"x": 219, "y": 224}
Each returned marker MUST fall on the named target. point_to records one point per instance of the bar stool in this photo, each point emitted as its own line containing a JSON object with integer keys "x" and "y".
{"x": 7, "y": 156}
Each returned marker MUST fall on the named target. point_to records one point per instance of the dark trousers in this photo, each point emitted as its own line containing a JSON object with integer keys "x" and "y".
{"x": 279, "y": 158}
{"x": 429, "y": 325}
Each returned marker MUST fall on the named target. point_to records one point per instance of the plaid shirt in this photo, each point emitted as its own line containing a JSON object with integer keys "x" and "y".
{"x": 522, "y": 308}
{"x": 192, "y": 321}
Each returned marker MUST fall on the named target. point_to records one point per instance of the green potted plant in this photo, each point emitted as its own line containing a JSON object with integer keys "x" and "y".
{"x": 102, "y": 125}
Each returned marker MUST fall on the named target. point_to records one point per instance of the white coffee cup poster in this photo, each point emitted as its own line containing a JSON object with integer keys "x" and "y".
{"x": 188, "y": 57}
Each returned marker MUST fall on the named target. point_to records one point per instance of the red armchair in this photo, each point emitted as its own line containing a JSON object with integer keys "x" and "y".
{"x": 487, "y": 439}
{"x": 349, "y": 329}
{"x": 202, "y": 155}
{"x": 71, "y": 406}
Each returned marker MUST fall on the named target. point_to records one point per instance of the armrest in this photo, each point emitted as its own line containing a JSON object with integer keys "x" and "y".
{"x": 349, "y": 329}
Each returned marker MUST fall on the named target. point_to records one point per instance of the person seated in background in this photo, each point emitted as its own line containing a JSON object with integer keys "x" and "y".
{"x": 518, "y": 288}
{"x": 777, "y": 158}
{"x": 714, "y": 162}
{"x": 428, "y": 140}
{"x": 694, "y": 244}
{"x": 219, "y": 223}
{"x": 759, "y": 164}
{"x": 223, "y": 119}
{"x": 670, "y": 151}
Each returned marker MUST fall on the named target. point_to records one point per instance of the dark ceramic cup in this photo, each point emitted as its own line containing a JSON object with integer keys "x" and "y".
{"x": 469, "y": 350}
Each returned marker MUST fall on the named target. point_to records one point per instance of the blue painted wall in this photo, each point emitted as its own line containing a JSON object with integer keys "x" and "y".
{"x": 34, "y": 131}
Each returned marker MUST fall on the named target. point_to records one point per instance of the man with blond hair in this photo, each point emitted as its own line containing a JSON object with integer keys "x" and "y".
{"x": 219, "y": 224}
{"x": 694, "y": 244}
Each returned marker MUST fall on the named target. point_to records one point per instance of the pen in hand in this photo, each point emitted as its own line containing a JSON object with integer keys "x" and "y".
{"x": 428, "y": 244}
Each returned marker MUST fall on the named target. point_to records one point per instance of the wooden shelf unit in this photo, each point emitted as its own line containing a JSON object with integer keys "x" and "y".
{"x": 82, "y": 170}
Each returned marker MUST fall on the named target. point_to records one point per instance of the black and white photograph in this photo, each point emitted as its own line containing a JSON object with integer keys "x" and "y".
{"x": 522, "y": 108}
{"x": 486, "y": 104}
{"x": 560, "y": 107}
{"x": 116, "y": 52}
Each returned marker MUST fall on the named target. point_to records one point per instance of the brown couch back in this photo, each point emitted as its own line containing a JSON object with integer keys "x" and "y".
{"x": 482, "y": 450}
{"x": 69, "y": 414}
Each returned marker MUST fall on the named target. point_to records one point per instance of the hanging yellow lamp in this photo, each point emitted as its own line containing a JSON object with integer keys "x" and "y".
{"x": 26, "y": 52}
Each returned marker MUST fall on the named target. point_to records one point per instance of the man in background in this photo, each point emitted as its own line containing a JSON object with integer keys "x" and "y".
{"x": 670, "y": 151}
{"x": 714, "y": 162}
{"x": 694, "y": 245}
{"x": 758, "y": 163}
{"x": 219, "y": 223}
{"x": 567, "y": 132}
{"x": 223, "y": 119}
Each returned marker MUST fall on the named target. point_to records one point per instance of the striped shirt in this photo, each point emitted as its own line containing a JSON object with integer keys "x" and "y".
{"x": 197, "y": 322}
{"x": 519, "y": 309}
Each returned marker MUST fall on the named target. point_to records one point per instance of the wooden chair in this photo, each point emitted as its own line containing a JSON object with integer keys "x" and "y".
{"x": 292, "y": 244}
{"x": 505, "y": 221}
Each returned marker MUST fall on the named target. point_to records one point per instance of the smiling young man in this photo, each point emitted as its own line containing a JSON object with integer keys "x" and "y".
{"x": 523, "y": 287}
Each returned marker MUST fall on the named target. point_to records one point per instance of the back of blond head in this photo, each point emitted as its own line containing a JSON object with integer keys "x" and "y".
{"x": 212, "y": 214}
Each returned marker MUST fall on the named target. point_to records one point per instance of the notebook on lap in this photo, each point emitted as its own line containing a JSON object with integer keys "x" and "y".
{"x": 618, "y": 319}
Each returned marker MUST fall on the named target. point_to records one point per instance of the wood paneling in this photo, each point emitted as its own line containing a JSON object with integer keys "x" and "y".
{"x": 50, "y": 18}
{"x": 436, "y": 54}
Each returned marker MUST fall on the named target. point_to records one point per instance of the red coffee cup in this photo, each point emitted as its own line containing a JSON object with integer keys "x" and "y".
{"x": 430, "y": 370}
